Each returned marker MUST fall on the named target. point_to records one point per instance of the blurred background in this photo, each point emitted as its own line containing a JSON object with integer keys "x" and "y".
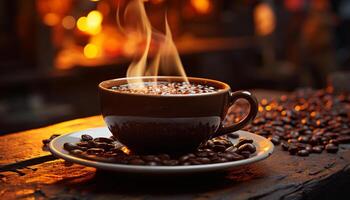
{"x": 53, "y": 53}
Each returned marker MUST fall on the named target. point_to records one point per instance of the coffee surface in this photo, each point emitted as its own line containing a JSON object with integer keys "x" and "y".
{"x": 165, "y": 88}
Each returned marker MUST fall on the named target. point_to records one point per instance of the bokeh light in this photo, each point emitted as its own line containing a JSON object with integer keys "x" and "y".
{"x": 91, "y": 51}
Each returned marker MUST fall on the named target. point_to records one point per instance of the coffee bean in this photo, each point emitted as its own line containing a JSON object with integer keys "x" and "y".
{"x": 152, "y": 163}
{"x": 46, "y": 141}
{"x": 237, "y": 156}
{"x": 285, "y": 146}
{"x": 229, "y": 156}
{"x": 317, "y": 149}
{"x": 117, "y": 150}
{"x": 170, "y": 162}
{"x": 343, "y": 139}
{"x": 95, "y": 151}
{"x": 331, "y": 148}
{"x": 207, "y": 150}
{"x": 233, "y": 135}
{"x": 86, "y": 137}
{"x": 137, "y": 161}
{"x": 194, "y": 161}
{"x": 69, "y": 146}
{"x": 91, "y": 144}
{"x": 292, "y": 141}
{"x": 104, "y": 145}
{"x": 110, "y": 154}
{"x": 186, "y": 163}
{"x": 303, "y": 153}
{"x": 203, "y": 160}
{"x": 303, "y": 139}
{"x": 219, "y": 160}
{"x": 308, "y": 148}
{"x": 345, "y": 131}
{"x": 245, "y": 154}
{"x": 247, "y": 147}
{"x": 333, "y": 141}
{"x": 54, "y": 136}
{"x": 219, "y": 148}
{"x": 150, "y": 158}
{"x": 225, "y": 143}
{"x": 293, "y": 149}
{"x": 275, "y": 140}
{"x": 103, "y": 139}
{"x": 185, "y": 158}
{"x": 201, "y": 154}
{"x": 164, "y": 156}
{"x": 243, "y": 141}
{"x": 209, "y": 144}
{"x": 83, "y": 144}
{"x": 331, "y": 135}
{"x": 314, "y": 140}
{"x": 76, "y": 151}
{"x": 231, "y": 149}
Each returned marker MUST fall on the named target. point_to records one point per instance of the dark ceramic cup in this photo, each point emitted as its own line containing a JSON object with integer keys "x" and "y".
{"x": 178, "y": 123}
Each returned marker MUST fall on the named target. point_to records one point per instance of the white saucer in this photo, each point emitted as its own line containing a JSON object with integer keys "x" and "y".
{"x": 263, "y": 145}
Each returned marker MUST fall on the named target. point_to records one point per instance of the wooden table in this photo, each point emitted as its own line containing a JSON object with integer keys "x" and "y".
{"x": 283, "y": 176}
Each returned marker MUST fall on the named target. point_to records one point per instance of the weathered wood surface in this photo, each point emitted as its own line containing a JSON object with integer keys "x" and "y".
{"x": 325, "y": 176}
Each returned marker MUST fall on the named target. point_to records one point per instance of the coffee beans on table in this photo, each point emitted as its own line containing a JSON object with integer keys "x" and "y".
{"x": 303, "y": 123}
{"x": 165, "y": 88}
{"x": 216, "y": 150}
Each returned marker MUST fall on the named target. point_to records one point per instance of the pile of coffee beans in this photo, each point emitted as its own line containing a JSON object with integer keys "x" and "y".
{"x": 165, "y": 88}
{"x": 305, "y": 122}
{"x": 216, "y": 150}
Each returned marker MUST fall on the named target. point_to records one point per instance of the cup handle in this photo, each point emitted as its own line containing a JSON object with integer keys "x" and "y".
{"x": 253, "y": 102}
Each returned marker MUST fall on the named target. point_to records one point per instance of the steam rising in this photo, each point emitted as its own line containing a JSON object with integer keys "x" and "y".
{"x": 165, "y": 58}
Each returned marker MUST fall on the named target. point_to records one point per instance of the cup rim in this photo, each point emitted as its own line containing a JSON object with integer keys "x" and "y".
{"x": 225, "y": 86}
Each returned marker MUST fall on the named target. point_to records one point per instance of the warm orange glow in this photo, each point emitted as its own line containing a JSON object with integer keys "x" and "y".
{"x": 268, "y": 108}
{"x": 81, "y": 24}
{"x": 264, "y": 18}
{"x": 263, "y": 102}
{"x": 313, "y": 114}
{"x": 303, "y": 121}
{"x": 125, "y": 150}
{"x": 104, "y": 8}
{"x": 90, "y": 24}
{"x": 318, "y": 122}
{"x": 94, "y": 18}
{"x": 51, "y": 19}
{"x": 284, "y": 113}
{"x": 330, "y": 89}
{"x": 260, "y": 109}
{"x": 283, "y": 98}
{"x": 201, "y": 6}
{"x": 157, "y": 1}
{"x": 91, "y": 51}
{"x": 297, "y": 108}
{"x": 68, "y": 22}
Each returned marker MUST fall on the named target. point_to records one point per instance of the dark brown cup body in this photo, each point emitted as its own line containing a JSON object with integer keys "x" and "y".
{"x": 150, "y": 123}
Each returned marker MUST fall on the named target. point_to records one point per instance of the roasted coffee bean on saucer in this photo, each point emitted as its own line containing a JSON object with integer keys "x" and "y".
{"x": 217, "y": 150}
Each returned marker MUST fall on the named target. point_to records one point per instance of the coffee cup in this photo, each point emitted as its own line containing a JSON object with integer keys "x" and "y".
{"x": 149, "y": 123}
